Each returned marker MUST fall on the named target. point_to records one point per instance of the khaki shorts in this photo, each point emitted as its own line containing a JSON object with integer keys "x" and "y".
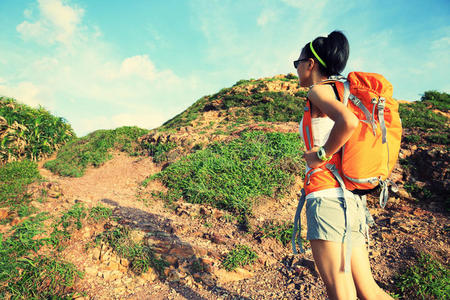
{"x": 326, "y": 219}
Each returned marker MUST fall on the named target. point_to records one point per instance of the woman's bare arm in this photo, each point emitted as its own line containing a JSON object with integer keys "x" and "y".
{"x": 345, "y": 122}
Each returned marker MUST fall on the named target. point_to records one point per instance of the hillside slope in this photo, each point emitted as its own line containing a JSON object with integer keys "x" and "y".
{"x": 202, "y": 207}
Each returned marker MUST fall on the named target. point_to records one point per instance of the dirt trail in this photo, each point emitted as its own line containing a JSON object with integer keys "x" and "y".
{"x": 192, "y": 232}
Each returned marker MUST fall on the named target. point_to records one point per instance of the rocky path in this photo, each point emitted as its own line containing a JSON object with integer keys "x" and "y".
{"x": 191, "y": 233}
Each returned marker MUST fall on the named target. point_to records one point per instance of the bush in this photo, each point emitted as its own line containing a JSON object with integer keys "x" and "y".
{"x": 231, "y": 176}
{"x": 240, "y": 256}
{"x": 29, "y": 133}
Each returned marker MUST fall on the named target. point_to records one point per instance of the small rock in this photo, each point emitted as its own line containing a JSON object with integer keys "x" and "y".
{"x": 3, "y": 213}
{"x": 172, "y": 259}
{"x": 112, "y": 265}
{"x": 96, "y": 254}
{"x": 403, "y": 193}
{"x": 174, "y": 275}
{"x": 149, "y": 276}
{"x": 124, "y": 262}
{"x": 183, "y": 251}
{"x": 218, "y": 239}
{"x": 92, "y": 271}
{"x": 15, "y": 221}
{"x": 201, "y": 251}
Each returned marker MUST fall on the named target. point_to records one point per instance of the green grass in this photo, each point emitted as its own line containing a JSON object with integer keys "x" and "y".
{"x": 412, "y": 139}
{"x": 282, "y": 231}
{"x": 100, "y": 213}
{"x": 159, "y": 151}
{"x": 26, "y": 275}
{"x": 425, "y": 279}
{"x": 29, "y": 133}
{"x": 139, "y": 254}
{"x": 419, "y": 114}
{"x": 240, "y": 256}
{"x": 14, "y": 179}
{"x": 437, "y": 100}
{"x": 258, "y": 105}
{"x": 232, "y": 176}
{"x": 94, "y": 150}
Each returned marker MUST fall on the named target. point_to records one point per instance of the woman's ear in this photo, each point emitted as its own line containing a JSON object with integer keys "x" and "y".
{"x": 311, "y": 64}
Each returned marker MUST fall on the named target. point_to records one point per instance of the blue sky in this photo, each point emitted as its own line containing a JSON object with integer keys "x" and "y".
{"x": 105, "y": 64}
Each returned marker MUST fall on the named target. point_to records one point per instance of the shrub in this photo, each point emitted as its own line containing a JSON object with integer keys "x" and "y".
{"x": 240, "y": 256}
{"x": 29, "y": 133}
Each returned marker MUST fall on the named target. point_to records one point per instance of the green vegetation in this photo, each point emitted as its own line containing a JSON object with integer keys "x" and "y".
{"x": 420, "y": 115}
{"x": 28, "y": 133}
{"x": 26, "y": 275}
{"x": 100, "y": 213}
{"x": 68, "y": 222}
{"x": 23, "y": 272}
{"x": 413, "y": 138}
{"x": 437, "y": 100}
{"x": 282, "y": 231}
{"x": 240, "y": 256}
{"x": 258, "y": 104}
{"x": 425, "y": 279}
{"x": 159, "y": 151}
{"x": 139, "y": 254}
{"x": 93, "y": 149}
{"x": 14, "y": 179}
{"x": 264, "y": 106}
{"x": 232, "y": 176}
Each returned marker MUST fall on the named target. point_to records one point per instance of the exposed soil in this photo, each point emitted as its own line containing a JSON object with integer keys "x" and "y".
{"x": 188, "y": 232}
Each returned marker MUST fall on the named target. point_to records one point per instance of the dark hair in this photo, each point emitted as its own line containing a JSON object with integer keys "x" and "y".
{"x": 333, "y": 50}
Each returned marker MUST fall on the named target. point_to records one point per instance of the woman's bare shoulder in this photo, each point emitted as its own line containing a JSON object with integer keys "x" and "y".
{"x": 322, "y": 92}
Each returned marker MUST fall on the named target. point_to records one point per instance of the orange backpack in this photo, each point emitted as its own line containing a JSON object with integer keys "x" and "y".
{"x": 368, "y": 157}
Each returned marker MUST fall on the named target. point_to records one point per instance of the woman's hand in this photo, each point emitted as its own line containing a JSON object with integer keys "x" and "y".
{"x": 311, "y": 158}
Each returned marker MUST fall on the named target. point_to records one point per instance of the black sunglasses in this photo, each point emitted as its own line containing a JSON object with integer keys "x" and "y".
{"x": 296, "y": 62}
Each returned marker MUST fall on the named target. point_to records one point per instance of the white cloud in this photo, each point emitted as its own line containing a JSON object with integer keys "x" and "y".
{"x": 57, "y": 23}
{"x": 25, "y": 92}
{"x": 265, "y": 17}
{"x": 139, "y": 65}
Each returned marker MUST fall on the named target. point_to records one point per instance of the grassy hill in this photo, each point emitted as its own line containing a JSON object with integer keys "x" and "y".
{"x": 233, "y": 151}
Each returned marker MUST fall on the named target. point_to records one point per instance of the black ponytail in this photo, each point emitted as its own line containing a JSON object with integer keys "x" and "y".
{"x": 333, "y": 50}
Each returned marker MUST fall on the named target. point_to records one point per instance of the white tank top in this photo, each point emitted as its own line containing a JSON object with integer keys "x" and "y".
{"x": 321, "y": 129}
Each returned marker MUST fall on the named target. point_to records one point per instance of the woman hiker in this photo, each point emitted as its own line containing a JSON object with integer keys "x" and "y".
{"x": 332, "y": 124}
